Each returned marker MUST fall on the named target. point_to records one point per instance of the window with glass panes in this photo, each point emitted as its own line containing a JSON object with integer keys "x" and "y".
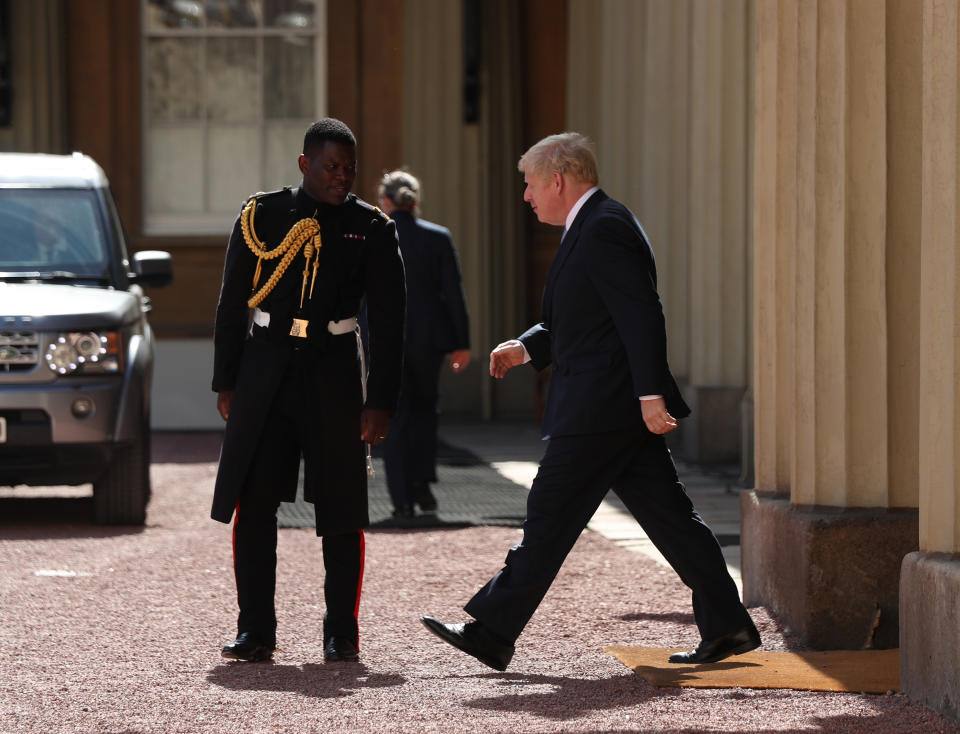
{"x": 229, "y": 88}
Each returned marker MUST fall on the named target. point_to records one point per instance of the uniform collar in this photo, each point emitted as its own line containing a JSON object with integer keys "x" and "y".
{"x": 307, "y": 205}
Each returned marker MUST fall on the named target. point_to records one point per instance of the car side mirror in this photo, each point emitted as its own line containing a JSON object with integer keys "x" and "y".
{"x": 153, "y": 268}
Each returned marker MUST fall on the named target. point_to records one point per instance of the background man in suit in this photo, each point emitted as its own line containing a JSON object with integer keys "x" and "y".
{"x": 288, "y": 378}
{"x": 436, "y": 324}
{"x": 610, "y": 401}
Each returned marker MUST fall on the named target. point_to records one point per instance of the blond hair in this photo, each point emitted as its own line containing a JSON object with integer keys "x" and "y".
{"x": 565, "y": 153}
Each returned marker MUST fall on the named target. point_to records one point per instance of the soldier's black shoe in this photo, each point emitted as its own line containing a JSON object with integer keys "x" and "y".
{"x": 340, "y": 650}
{"x": 712, "y": 651}
{"x": 474, "y": 639}
{"x": 248, "y": 646}
{"x": 424, "y": 498}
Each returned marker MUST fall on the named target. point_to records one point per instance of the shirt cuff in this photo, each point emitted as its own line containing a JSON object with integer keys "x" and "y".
{"x": 650, "y": 397}
{"x": 526, "y": 354}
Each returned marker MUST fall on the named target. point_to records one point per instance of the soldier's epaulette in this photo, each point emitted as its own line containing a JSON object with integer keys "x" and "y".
{"x": 371, "y": 209}
{"x": 269, "y": 197}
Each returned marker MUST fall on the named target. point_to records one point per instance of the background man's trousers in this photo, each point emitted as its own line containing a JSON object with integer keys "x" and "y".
{"x": 575, "y": 474}
{"x": 410, "y": 450}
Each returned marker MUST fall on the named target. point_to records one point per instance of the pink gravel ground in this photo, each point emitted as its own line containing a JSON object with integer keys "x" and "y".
{"x": 126, "y": 638}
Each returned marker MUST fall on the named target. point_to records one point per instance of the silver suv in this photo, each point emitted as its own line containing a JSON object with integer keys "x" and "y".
{"x": 76, "y": 351}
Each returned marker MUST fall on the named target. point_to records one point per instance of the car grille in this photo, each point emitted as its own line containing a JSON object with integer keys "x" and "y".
{"x": 19, "y": 350}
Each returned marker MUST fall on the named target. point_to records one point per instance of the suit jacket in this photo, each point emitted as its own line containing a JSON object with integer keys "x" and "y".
{"x": 436, "y": 307}
{"x": 602, "y": 326}
{"x": 358, "y": 261}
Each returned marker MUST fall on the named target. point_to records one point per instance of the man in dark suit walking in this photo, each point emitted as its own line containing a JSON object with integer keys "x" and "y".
{"x": 436, "y": 325}
{"x": 610, "y": 401}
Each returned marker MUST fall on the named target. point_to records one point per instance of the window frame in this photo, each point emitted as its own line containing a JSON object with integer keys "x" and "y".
{"x": 209, "y": 223}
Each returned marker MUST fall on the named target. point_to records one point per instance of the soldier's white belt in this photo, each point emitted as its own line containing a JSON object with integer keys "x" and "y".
{"x": 343, "y": 326}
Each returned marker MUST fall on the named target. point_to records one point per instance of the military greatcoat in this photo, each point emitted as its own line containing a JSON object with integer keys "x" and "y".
{"x": 358, "y": 262}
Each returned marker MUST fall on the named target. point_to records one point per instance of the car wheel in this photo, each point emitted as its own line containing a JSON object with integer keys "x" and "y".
{"x": 121, "y": 495}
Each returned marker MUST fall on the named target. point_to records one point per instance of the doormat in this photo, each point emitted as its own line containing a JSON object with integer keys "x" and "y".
{"x": 858, "y": 671}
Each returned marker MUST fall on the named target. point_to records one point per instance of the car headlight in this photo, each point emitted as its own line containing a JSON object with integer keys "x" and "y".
{"x": 85, "y": 352}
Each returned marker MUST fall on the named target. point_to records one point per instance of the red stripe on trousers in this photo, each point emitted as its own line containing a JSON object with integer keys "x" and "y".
{"x": 356, "y": 607}
{"x": 236, "y": 519}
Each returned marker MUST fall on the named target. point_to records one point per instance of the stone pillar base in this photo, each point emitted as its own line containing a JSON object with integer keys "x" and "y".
{"x": 929, "y": 643}
{"x": 831, "y": 574}
{"x": 711, "y": 435}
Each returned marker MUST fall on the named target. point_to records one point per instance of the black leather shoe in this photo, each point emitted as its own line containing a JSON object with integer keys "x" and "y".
{"x": 404, "y": 517}
{"x": 711, "y": 651}
{"x": 425, "y": 499}
{"x": 340, "y": 650}
{"x": 249, "y": 647}
{"x": 474, "y": 639}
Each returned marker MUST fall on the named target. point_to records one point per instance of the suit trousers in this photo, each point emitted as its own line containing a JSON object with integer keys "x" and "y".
{"x": 410, "y": 451}
{"x": 574, "y": 476}
{"x": 255, "y": 530}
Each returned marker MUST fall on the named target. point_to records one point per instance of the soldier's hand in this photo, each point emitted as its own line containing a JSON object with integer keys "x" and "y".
{"x": 373, "y": 425}
{"x": 656, "y": 417}
{"x": 459, "y": 359}
{"x": 224, "y": 400}
{"x": 505, "y": 356}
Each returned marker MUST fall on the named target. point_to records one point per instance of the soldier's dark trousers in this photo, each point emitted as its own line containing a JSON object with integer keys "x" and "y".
{"x": 255, "y": 565}
{"x": 410, "y": 451}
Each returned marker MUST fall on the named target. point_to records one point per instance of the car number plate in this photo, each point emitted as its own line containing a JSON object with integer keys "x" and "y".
{"x": 3, "y": 429}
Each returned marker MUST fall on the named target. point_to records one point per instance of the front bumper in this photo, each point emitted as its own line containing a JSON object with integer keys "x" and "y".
{"x": 22, "y": 405}
{"x": 45, "y": 443}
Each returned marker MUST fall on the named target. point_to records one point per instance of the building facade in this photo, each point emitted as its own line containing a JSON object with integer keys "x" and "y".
{"x": 795, "y": 163}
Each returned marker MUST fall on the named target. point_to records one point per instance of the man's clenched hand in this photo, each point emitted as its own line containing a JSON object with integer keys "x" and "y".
{"x": 656, "y": 417}
{"x": 504, "y": 356}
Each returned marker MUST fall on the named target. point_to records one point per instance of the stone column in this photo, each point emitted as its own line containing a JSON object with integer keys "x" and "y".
{"x": 718, "y": 232}
{"x": 930, "y": 580}
{"x": 673, "y": 260}
{"x": 824, "y": 533}
{"x": 670, "y": 122}
{"x": 771, "y": 471}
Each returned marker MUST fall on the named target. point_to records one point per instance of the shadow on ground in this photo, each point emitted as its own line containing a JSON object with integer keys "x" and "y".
{"x": 561, "y": 698}
{"x": 54, "y": 517}
{"x": 313, "y": 680}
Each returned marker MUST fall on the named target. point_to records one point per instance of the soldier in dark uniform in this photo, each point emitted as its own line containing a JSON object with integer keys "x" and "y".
{"x": 291, "y": 380}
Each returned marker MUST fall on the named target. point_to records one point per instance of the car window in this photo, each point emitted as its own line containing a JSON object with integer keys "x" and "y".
{"x": 48, "y": 230}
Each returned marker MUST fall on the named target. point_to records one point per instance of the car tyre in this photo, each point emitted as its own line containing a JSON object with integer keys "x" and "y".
{"x": 121, "y": 495}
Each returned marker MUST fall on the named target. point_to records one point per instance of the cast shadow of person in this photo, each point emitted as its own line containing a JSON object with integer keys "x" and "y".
{"x": 314, "y": 680}
{"x": 564, "y": 698}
